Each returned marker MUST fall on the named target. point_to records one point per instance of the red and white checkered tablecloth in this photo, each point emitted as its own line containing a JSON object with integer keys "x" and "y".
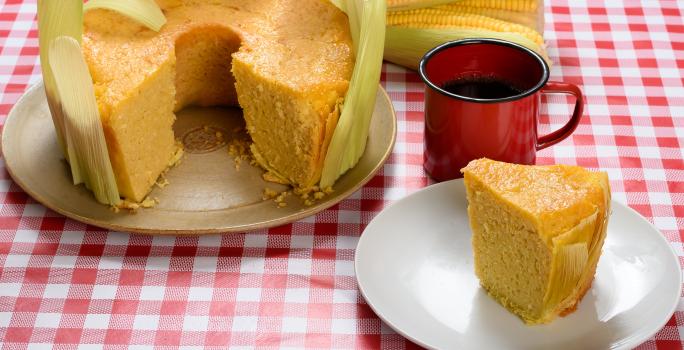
{"x": 63, "y": 283}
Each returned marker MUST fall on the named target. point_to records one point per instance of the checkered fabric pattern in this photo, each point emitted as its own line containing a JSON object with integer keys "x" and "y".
{"x": 63, "y": 283}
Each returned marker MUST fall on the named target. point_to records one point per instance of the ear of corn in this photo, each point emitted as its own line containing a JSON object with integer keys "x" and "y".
{"x": 147, "y": 12}
{"x": 528, "y": 19}
{"x": 411, "y": 33}
{"x": 406, "y": 46}
{"x": 508, "y": 5}
{"x": 403, "y": 5}
{"x": 436, "y": 18}
{"x": 349, "y": 139}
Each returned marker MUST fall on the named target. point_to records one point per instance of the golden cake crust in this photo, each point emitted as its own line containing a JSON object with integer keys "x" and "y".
{"x": 554, "y": 196}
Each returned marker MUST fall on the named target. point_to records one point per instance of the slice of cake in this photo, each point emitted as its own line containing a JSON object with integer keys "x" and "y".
{"x": 537, "y": 234}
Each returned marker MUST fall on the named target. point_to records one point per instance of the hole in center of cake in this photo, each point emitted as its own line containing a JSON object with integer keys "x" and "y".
{"x": 204, "y": 79}
{"x": 203, "y": 64}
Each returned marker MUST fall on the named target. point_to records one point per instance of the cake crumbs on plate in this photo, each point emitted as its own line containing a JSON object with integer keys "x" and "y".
{"x": 308, "y": 195}
{"x": 133, "y": 207}
{"x": 280, "y": 198}
{"x": 238, "y": 148}
{"x": 269, "y": 194}
{"x": 162, "y": 181}
{"x": 149, "y": 202}
{"x": 177, "y": 155}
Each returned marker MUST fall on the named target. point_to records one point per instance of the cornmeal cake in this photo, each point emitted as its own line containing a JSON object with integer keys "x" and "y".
{"x": 537, "y": 234}
{"x": 287, "y": 63}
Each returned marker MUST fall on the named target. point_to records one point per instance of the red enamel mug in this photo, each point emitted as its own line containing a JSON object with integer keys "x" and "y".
{"x": 460, "y": 128}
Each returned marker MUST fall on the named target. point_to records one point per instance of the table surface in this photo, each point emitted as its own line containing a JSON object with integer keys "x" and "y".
{"x": 62, "y": 282}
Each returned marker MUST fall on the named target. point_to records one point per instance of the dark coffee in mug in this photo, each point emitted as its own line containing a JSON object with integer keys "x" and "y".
{"x": 484, "y": 87}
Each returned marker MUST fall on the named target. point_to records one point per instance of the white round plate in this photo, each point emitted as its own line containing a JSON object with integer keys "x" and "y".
{"x": 414, "y": 266}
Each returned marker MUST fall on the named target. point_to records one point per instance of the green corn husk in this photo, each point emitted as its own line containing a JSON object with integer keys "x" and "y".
{"x": 349, "y": 139}
{"x": 56, "y": 18}
{"x": 84, "y": 134}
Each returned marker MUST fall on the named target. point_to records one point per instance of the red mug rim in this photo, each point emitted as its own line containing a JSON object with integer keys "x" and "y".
{"x": 450, "y": 44}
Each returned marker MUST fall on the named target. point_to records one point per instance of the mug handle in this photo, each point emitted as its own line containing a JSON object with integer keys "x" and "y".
{"x": 559, "y": 135}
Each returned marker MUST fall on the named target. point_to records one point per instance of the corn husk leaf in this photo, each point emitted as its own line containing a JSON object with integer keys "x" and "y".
{"x": 351, "y": 133}
{"x": 84, "y": 134}
{"x": 407, "y": 46}
{"x": 570, "y": 263}
{"x": 571, "y": 256}
{"x": 56, "y": 18}
{"x": 146, "y": 12}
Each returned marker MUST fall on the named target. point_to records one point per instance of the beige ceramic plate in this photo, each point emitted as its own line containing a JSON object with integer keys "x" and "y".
{"x": 206, "y": 193}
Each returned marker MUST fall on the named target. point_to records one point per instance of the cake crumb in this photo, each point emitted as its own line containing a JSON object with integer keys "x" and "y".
{"x": 300, "y": 191}
{"x": 127, "y": 204}
{"x": 238, "y": 148}
{"x": 313, "y": 194}
{"x": 281, "y": 197}
{"x": 307, "y": 195}
{"x": 177, "y": 156}
{"x": 133, "y": 207}
{"x": 162, "y": 181}
{"x": 149, "y": 202}
{"x": 269, "y": 194}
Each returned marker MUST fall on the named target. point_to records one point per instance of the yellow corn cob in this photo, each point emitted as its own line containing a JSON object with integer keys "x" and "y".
{"x": 436, "y": 18}
{"x": 405, "y": 46}
{"x": 402, "y": 5}
{"x": 510, "y": 5}
{"x": 528, "y": 19}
